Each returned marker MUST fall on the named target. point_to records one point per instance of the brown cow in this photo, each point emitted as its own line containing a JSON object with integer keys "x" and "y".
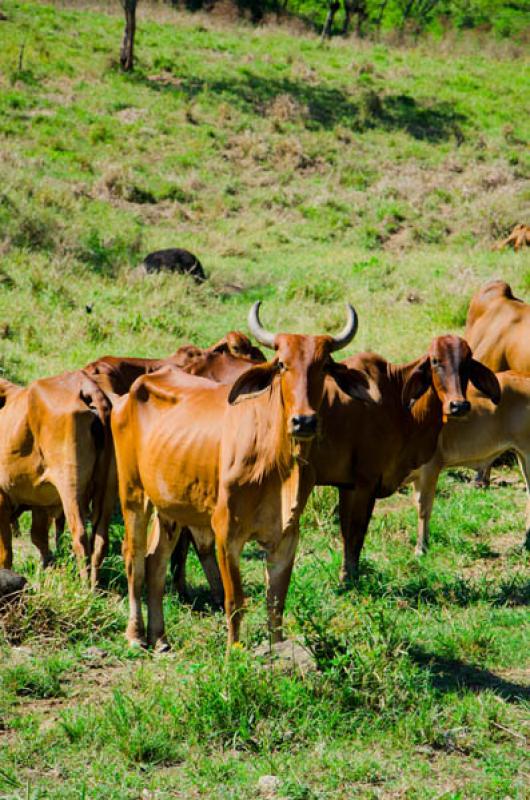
{"x": 116, "y": 374}
{"x": 367, "y": 450}
{"x": 55, "y": 451}
{"x": 498, "y": 331}
{"x": 236, "y": 459}
{"x": 498, "y": 328}
{"x": 222, "y": 362}
{"x": 486, "y": 432}
{"x": 519, "y": 237}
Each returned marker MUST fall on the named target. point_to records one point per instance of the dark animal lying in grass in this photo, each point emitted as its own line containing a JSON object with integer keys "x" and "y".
{"x": 10, "y": 583}
{"x": 174, "y": 259}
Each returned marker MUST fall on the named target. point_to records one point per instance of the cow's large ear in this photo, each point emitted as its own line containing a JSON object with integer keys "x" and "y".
{"x": 352, "y": 382}
{"x": 485, "y": 381}
{"x": 253, "y": 382}
{"x": 418, "y": 382}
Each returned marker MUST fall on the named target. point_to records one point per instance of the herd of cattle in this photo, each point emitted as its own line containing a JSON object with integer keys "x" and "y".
{"x": 221, "y": 446}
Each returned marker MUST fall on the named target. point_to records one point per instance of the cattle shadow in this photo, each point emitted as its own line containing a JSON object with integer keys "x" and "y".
{"x": 449, "y": 675}
{"x": 424, "y": 589}
{"x": 325, "y": 106}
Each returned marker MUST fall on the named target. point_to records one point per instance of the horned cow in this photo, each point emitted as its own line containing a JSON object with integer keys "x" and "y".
{"x": 205, "y": 455}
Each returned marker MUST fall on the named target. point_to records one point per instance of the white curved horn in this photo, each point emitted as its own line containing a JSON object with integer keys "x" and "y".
{"x": 264, "y": 337}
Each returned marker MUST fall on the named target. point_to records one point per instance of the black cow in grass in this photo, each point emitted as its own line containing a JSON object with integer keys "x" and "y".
{"x": 174, "y": 259}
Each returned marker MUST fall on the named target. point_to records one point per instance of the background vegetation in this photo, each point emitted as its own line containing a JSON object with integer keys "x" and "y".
{"x": 305, "y": 176}
{"x": 503, "y": 17}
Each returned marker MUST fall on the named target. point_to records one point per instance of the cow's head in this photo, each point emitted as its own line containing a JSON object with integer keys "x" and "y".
{"x": 301, "y": 364}
{"x": 238, "y": 345}
{"x": 448, "y": 367}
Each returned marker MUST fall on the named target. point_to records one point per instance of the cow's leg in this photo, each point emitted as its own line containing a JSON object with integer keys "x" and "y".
{"x": 162, "y": 540}
{"x": 229, "y": 545}
{"x": 424, "y": 490}
{"x": 355, "y": 511}
{"x": 104, "y": 496}
{"x": 524, "y": 463}
{"x": 6, "y": 547}
{"x": 279, "y": 568}
{"x": 15, "y": 525}
{"x": 40, "y": 525}
{"x": 134, "y": 552}
{"x": 179, "y": 557}
{"x": 59, "y": 529}
{"x": 100, "y": 540}
{"x": 205, "y": 546}
{"x": 483, "y": 476}
{"x": 80, "y": 541}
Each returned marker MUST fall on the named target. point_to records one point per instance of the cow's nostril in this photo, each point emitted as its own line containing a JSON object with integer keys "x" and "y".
{"x": 459, "y": 407}
{"x": 304, "y": 423}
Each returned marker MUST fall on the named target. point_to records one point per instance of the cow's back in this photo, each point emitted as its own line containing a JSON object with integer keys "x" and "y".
{"x": 498, "y": 328}
{"x": 68, "y": 431}
{"x": 20, "y": 461}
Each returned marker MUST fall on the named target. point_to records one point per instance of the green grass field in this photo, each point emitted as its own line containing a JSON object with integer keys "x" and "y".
{"x": 305, "y": 176}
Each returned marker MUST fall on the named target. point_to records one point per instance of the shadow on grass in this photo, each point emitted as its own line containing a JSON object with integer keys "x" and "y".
{"x": 443, "y": 589}
{"x": 325, "y": 106}
{"x": 451, "y": 675}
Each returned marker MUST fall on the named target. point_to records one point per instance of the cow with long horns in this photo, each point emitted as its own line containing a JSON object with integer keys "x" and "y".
{"x": 235, "y": 459}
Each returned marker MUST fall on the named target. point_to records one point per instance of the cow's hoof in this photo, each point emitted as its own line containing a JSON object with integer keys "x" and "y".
{"x": 161, "y": 646}
{"x": 419, "y": 552}
{"x": 348, "y": 580}
{"x": 48, "y": 561}
{"x": 137, "y": 643}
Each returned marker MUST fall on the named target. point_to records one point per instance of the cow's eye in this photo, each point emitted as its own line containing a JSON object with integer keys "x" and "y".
{"x": 281, "y": 366}
{"x": 435, "y": 362}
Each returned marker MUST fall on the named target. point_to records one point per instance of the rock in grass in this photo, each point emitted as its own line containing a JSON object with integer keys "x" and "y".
{"x": 286, "y": 655}
{"x": 268, "y": 785}
{"x": 10, "y": 583}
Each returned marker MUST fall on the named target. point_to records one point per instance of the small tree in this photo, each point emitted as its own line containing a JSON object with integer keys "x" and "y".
{"x": 127, "y": 45}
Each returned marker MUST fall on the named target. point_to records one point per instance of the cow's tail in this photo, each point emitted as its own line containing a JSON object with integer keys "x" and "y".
{"x": 104, "y": 480}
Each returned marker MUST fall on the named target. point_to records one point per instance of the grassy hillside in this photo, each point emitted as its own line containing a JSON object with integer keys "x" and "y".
{"x": 299, "y": 174}
{"x": 305, "y": 176}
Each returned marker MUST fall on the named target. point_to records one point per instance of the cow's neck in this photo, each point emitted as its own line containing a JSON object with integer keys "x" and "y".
{"x": 270, "y": 449}
{"x": 423, "y": 422}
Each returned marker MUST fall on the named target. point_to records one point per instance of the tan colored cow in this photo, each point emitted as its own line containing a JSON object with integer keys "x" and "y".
{"x": 518, "y": 238}
{"x": 55, "y": 451}
{"x": 498, "y": 331}
{"x": 236, "y": 459}
{"x": 486, "y": 432}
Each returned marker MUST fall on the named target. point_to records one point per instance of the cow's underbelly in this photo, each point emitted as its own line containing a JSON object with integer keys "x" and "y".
{"x": 183, "y": 514}
{"x": 179, "y": 473}
{"x": 23, "y": 491}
